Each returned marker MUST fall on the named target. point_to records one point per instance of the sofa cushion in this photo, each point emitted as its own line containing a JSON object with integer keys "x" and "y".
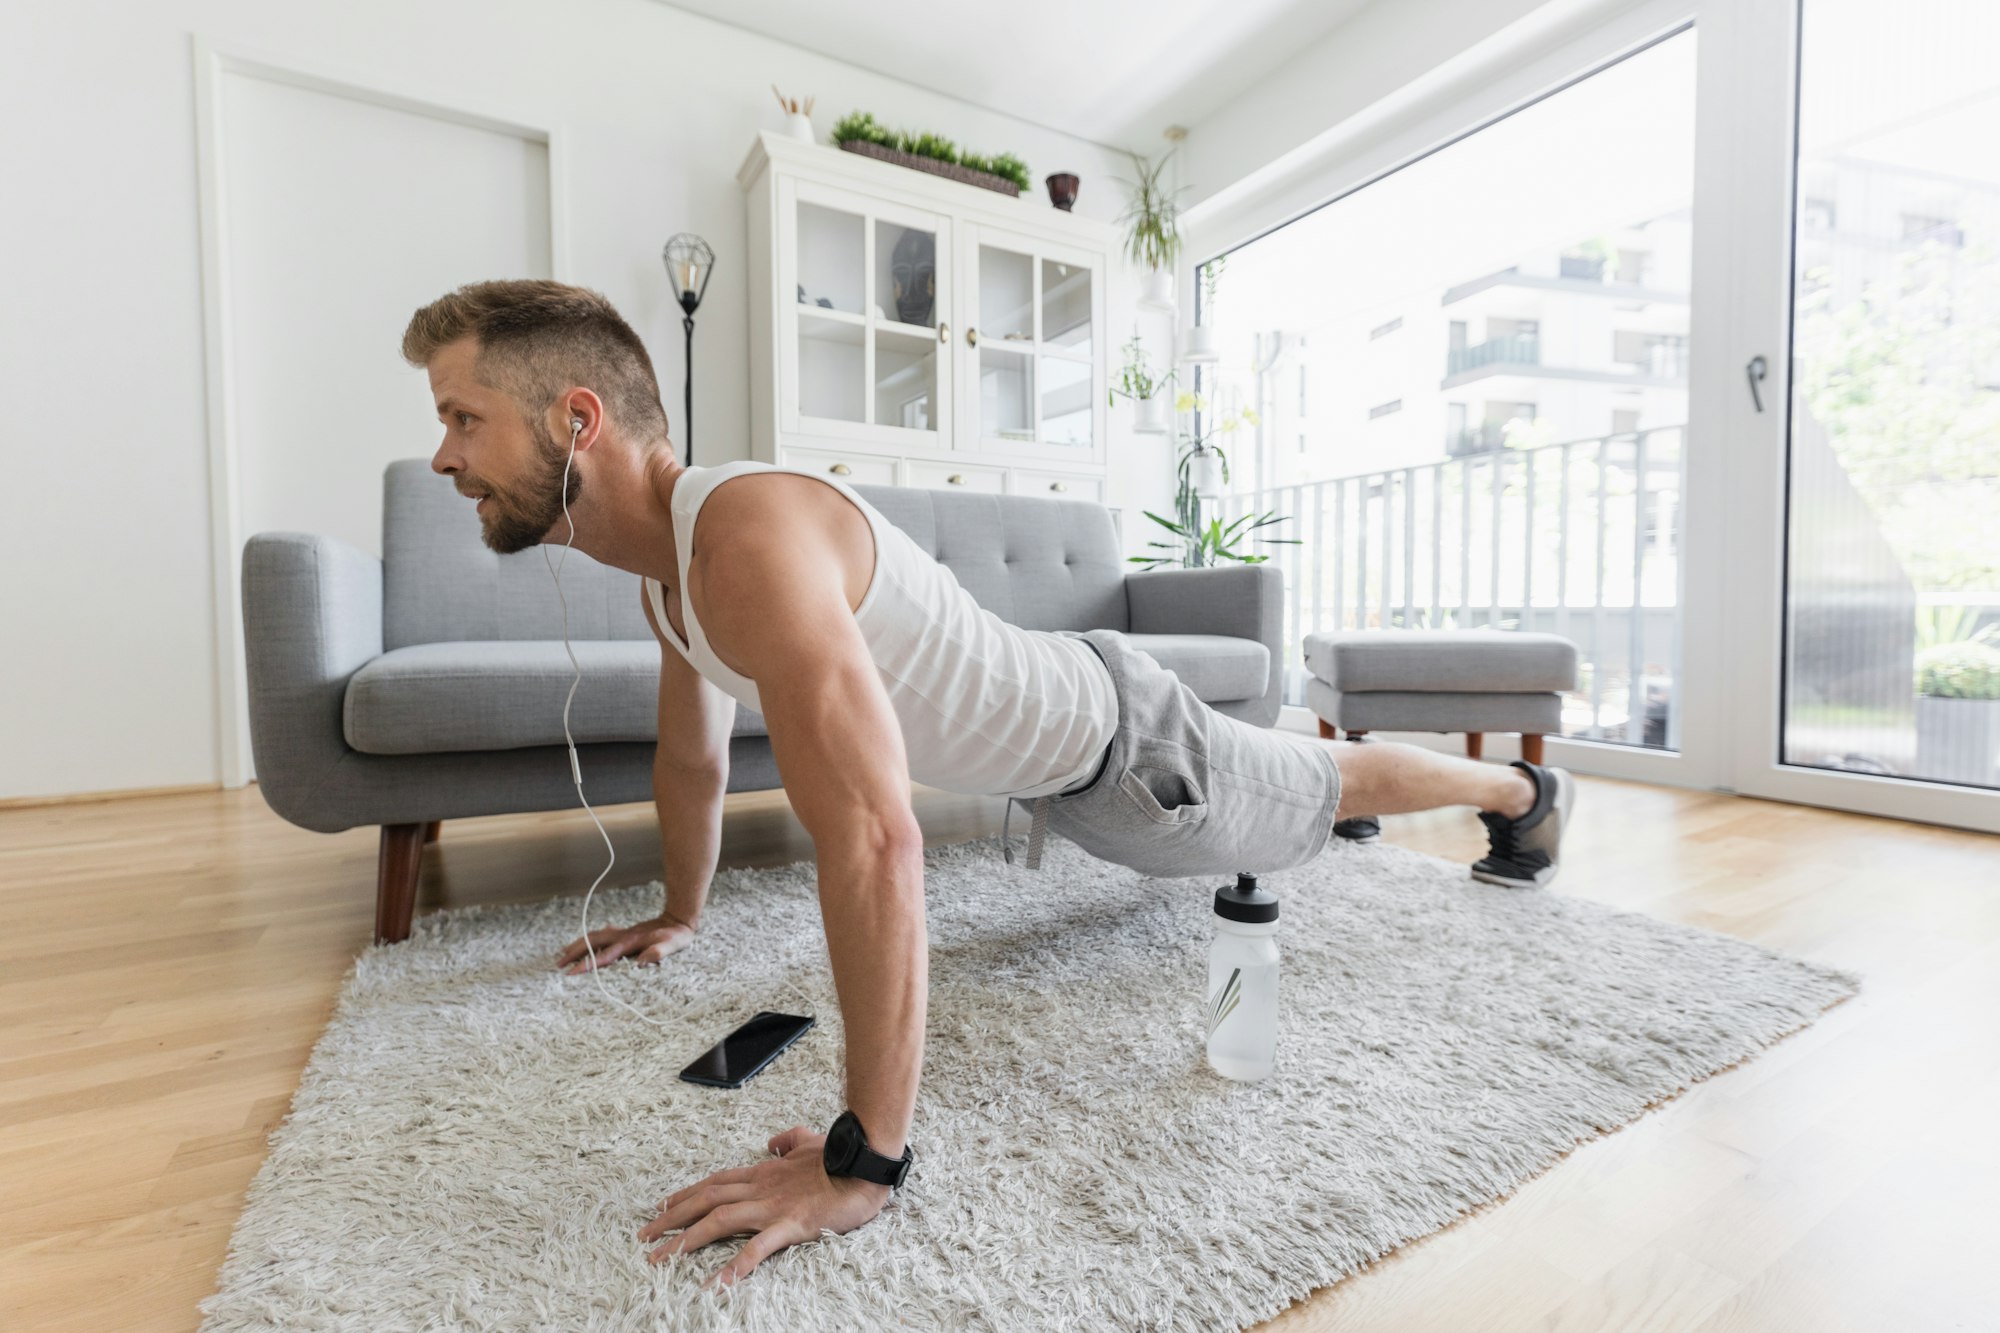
{"x": 1218, "y": 668}
{"x": 507, "y": 695}
{"x": 1465, "y": 661}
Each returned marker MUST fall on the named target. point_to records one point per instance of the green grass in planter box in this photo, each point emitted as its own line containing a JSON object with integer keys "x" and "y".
{"x": 1965, "y": 670}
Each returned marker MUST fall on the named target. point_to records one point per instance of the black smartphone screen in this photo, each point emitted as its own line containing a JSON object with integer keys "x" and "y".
{"x": 738, "y": 1057}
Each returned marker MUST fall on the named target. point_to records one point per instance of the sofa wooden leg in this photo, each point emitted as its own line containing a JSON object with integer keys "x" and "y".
{"x": 401, "y": 857}
{"x": 431, "y": 831}
{"x": 1475, "y": 744}
{"x": 1326, "y": 731}
{"x": 1531, "y": 748}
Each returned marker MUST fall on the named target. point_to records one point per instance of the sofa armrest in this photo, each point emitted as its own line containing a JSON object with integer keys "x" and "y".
{"x": 312, "y": 616}
{"x": 1243, "y": 601}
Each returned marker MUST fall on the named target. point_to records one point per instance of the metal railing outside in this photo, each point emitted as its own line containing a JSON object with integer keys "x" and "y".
{"x": 1518, "y": 350}
{"x": 1580, "y": 539}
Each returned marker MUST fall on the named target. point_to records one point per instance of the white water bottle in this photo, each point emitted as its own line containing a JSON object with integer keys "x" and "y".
{"x": 1243, "y": 981}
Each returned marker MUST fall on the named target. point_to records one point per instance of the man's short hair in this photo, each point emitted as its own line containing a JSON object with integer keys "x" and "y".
{"x": 539, "y": 338}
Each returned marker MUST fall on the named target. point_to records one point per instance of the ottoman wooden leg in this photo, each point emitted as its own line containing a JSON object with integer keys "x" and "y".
{"x": 1531, "y": 748}
{"x": 1354, "y": 735}
{"x": 1326, "y": 731}
{"x": 1475, "y": 744}
{"x": 431, "y": 831}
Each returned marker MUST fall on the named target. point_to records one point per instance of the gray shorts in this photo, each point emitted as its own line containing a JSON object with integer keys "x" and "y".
{"x": 1185, "y": 790}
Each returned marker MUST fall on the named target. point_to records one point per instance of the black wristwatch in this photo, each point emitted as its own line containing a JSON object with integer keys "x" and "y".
{"x": 847, "y": 1154}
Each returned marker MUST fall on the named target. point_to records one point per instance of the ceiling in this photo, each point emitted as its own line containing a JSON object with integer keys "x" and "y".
{"x": 1116, "y": 72}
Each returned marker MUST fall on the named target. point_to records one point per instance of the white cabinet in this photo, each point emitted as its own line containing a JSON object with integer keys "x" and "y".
{"x": 920, "y": 331}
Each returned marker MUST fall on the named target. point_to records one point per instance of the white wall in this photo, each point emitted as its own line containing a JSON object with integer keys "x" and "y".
{"x": 107, "y": 670}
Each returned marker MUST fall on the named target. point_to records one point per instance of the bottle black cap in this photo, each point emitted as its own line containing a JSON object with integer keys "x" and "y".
{"x": 1244, "y": 901}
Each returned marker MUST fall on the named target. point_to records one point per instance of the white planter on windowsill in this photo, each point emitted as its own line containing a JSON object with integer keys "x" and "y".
{"x": 1958, "y": 740}
{"x": 1149, "y": 415}
{"x": 1156, "y": 290}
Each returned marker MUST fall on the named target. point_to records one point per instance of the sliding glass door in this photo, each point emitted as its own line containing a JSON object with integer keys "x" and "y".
{"x": 1872, "y": 271}
{"x": 1681, "y": 340}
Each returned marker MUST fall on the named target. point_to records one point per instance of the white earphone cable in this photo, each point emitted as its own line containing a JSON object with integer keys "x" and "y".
{"x": 575, "y": 767}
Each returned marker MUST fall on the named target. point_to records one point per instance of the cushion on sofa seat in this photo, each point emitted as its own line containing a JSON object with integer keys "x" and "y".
{"x": 1217, "y": 667}
{"x": 501, "y": 694}
{"x": 1465, "y": 660}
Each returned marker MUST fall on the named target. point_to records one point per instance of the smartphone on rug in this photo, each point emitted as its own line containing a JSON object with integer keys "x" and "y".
{"x": 742, "y": 1055}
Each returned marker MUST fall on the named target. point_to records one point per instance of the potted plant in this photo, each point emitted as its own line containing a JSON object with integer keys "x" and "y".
{"x": 1153, "y": 237}
{"x": 1958, "y": 710}
{"x": 1137, "y": 382}
{"x": 1197, "y": 543}
{"x": 1199, "y": 344}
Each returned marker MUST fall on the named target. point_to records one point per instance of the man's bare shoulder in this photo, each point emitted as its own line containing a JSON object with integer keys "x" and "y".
{"x": 768, "y": 527}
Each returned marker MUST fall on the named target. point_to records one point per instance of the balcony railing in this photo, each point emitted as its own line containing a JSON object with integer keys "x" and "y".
{"x": 1518, "y": 351}
{"x": 1579, "y": 539}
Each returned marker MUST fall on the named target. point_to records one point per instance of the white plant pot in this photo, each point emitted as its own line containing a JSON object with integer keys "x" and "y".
{"x": 1199, "y": 344}
{"x": 1958, "y": 740}
{"x": 800, "y": 126}
{"x": 1149, "y": 415}
{"x": 1205, "y": 473}
{"x": 1157, "y": 289}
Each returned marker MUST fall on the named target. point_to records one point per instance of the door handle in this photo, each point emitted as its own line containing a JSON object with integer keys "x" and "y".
{"x": 1755, "y": 370}
{"x": 1057, "y": 486}
{"x": 956, "y": 479}
{"x": 972, "y": 337}
{"x": 944, "y": 332}
{"x": 841, "y": 469}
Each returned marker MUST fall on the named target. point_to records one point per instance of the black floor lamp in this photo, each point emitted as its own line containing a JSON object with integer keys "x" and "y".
{"x": 689, "y": 262}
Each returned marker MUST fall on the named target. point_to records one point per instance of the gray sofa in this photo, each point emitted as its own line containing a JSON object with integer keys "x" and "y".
{"x": 428, "y": 685}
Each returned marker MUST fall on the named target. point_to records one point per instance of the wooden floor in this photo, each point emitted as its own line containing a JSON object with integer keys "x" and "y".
{"x": 166, "y": 964}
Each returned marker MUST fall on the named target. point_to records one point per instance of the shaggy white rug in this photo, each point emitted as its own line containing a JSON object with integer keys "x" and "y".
{"x": 478, "y": 1138}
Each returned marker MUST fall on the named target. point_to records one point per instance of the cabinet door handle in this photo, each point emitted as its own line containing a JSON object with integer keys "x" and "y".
{"x": 840, "y": 468}
{"x": 956, "y": 479}
{"x": 1058, "y": 486}
{"x": 944, "y": 332}
{"x": 972, "y": 337}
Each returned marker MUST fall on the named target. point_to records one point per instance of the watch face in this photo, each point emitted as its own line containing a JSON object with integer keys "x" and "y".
{"x": 843, "y": 1145}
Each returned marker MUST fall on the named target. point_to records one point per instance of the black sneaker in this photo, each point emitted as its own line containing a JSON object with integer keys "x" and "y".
{"x": 1361, "y": 829}
{"x": 1525, "y": 849}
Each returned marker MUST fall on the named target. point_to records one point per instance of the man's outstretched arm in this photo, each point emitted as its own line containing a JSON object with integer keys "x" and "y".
{"x": 778, "y": 612}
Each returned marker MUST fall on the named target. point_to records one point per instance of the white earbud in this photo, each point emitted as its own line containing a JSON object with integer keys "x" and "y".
{"x": 575, "y": 427}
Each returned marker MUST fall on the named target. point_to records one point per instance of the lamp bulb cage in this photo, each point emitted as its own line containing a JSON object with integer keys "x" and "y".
{"x": 689, "y": 260}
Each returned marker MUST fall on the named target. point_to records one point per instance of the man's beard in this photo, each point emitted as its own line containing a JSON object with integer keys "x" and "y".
{"x": 522, "y": 519}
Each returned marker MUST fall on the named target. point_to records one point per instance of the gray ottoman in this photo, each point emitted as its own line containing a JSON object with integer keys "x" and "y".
{"x": 1474, "y": 681}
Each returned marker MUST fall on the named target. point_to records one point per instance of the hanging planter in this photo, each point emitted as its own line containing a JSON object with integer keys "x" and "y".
{"x": 1199, "y": 345}
{"x": 1156, "y": 290}
{"x": 1149, "y": 415}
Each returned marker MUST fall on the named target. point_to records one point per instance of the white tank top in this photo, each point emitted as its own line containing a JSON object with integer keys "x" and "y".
{"x": 987, "y": 708}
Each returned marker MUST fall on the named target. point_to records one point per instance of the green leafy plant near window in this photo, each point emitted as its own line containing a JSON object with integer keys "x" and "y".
{"x": 1135, "y": 378}
{"x": 1151, "y": 216}
{"x": 1198, "y": 544}
{"x": 861, "y": 126}
{"x": 1965, "y": 670}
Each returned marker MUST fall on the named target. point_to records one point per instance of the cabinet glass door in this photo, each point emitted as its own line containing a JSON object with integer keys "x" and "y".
{"x": 868, "y": 318}
{"x": 1032, "y": 335}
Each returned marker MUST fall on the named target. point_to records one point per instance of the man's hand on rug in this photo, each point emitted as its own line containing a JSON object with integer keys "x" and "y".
{"x": 780, "y": 1202}
{"x": 644, "y": 943}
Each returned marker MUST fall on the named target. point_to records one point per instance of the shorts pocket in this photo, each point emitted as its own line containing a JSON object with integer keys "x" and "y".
{"x": 1164, "y": 795}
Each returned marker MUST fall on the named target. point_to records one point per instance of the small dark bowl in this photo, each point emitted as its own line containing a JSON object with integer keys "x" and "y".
{"x": 1062, "y": 189}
